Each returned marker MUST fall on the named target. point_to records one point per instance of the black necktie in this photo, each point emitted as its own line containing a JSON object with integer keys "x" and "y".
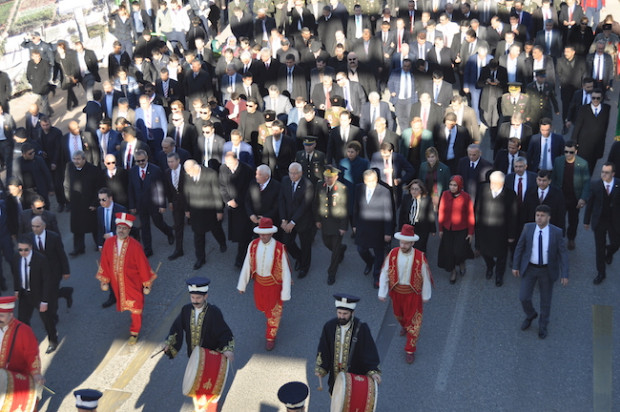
{"x": 26, "y": 280}
{"x": 540, "y": 248}
{"x": 40, "y": 244}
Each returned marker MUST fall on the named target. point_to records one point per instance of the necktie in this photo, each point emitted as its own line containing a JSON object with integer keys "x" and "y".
{"x": 512, "y": 164}
{"x": 599, "y": 75}
{"x": 413, "y": 211}
{"x": 421, "y": 52}
{"x": 570, "y": 14}
{"x": 143, "y": 174}
{"x": 294, "y": 184}
{"x": 289, "y": 80}
{"x": 387, "y": 171}
{"x": 128, "y": 163}
{"x": 373, "y": 116}
{"x": 436, "y": 93}
{"x": 471, "y": 48}
{"x": 26, "y": 280}
{"x": 165, "y": 87}
{"x": 75, "y": 144}
{"x": 544, "y": 155}
{"x": 104, "y": 144}
{"x": 596, "y": 112}
{"x": 424, "y": 117}
{"x": 408, "y": 86}
{"x": 541, "y": 260}
{"x": 608, "y": 188}
{"x": 520, "y": 189}
{"x": 548, "y": 42}
{"x": 40, "y": 244}
{"x": 368, "y": 196}
{"x": 175, "y": 179}
{"x": 328, "y": 102}
{"x": 107, "y": 220}
{"x": 178, "y": 137}
{"x": 542, "y": 196}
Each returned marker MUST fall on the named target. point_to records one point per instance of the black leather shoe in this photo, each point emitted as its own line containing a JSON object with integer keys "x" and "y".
{"x": 542, "y": 332}
{"x": 51, "y": 348}
{"x": 368, "y": 268}
{"x": 67, "y": 293}
{"x": 297, "y": 265}
{"x": 489, "y": 274}
{"x": 527, "y": 322}
{"x": 171, "y": 239}
{"x": 302, "y": 274}
{"x": 223, "y": 247}
{"x": 238, "y": 264}
{"x": 148, "y": 253}
{"x": 111, "y": 301}
{"x": 198, "y": 264}
{"x": 609, "y": 257}
{"x": 598, "y": 279}
{"x": 331, "y": 280}
{"x": 499, "y": 282}
{"x": 177, "y": 254}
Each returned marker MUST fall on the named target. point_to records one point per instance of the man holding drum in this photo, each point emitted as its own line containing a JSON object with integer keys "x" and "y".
{"x": 346, "y": 345}
{"x": 267, "y": 263}
{"x": 202, "y": 323}
{"x": 406, "y": 276}
{"x": 125, "y": 266}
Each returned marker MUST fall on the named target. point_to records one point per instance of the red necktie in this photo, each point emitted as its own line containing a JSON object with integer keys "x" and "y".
{"x": 143, "y": 176}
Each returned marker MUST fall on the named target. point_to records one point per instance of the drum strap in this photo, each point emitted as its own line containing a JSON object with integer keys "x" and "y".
{"x": 8, "y": 359}
{"x": 356, "y": 329}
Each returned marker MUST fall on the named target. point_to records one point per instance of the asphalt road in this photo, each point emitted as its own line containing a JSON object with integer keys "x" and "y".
{"x": 471, "y": 354}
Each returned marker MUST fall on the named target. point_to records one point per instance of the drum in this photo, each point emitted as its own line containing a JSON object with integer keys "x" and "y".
{"x": 17, "y": 392}
{"x": 354, "y": 393}
{"x": 205, "y": 375}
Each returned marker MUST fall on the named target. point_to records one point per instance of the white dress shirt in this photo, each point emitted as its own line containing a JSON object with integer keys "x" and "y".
{"x": 545, "y": 238}
{"x": 264, "y": 264}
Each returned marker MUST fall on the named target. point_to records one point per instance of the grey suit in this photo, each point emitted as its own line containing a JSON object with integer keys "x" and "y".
{"x": 557, "y": 258}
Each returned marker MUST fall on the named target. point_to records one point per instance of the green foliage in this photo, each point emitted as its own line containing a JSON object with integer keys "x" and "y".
{"x": 5, "y": 11}
{"x": 35, "y": 16}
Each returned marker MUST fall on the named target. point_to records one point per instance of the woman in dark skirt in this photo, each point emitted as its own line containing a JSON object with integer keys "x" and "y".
{"x": 419, "y": 215}
{"x": 456, "y": 228}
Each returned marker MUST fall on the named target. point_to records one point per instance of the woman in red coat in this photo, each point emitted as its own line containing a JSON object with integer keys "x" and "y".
{"x": 456, "y": 228}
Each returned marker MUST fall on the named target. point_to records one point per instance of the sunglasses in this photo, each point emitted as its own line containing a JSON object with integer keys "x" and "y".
{"x": 24, "y": 250}
{"x": 596, "y": 98}
{"x": 141, "y": 161}
{"x": 40, "y": 208}
{"x": 176, "y": 120}
{"x": 569, "y": 152}
{"x": 110, "y": 163}
{"x": 103, "y": 200}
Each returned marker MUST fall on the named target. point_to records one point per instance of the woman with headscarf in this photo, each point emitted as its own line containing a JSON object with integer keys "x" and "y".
{"x": 417, "y": 211}
{"x": 456, "y": 228}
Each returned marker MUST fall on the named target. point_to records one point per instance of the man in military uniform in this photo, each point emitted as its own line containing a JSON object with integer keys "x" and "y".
{"x": 87, "y": 399}
{"x": 355, "y": 353}
{"x": 293, "y": 395}
{"x": 202, "y": 323}
{"x": 513, "y": 102}
{"x": 332, "y": 217}
{"x": 312, "y": 161}
{"x": 541, "y": 99}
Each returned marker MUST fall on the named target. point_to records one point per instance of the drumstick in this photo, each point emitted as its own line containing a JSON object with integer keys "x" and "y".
{"x": 49, "y": 390}
{"x": 320, "y": 388}
{"x": 158, "y": 266}
{"x": 158, "y": 352}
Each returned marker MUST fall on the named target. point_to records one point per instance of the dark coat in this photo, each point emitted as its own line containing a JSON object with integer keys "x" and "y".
{"x": 372, "y": 220}
{"x": 263, "y": 203}
{"x": 314, "y": 168}
{"x": 554, "y": 198}
{"x": 204, "y": 200}
{"x": 41, "y": 281}
{"x": 472, "y": 179}
{"x": 55, "y": 254}
{"x": 331, "y": 208}
{"x": 146, "y": 196}
{"x": 51, "y": 223}
{"x": 118, "y": 185}
{"x": 81, "y": 188}
{"x": 594, "y": 207}
{"x": 336, "y": 148}
{"x": 496, "y": 220}
{"x": 34, "y": 174}
{"x": 38, "y": 75}
{"x": 590, "y": 132}
{"x": 279, "y": 164}
{"x": 534, "y": 149}
{"x": 297, "y": 207}
{"x": 463, "y": 139}
{"x": 116, "y": 208}
{"x": 234, "y": 186}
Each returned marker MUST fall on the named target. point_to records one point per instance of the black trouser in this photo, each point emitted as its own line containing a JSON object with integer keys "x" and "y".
{"x": 499, "y": 262}
{"x": 58, "y": 177}
{"x": 145, "y": 228}
{"x": 566, "y": 94}
{"x": 6, "y": 249}
{"x": 6, "y": 156}
{"x": 573, "y": 218}
{"x": 545, "y": 285}
{"x": 303, "y": 252}
{"x": 334, "y": 244}
{"x": 178, "y": 217}
{"x": 600, "y": 243}
{"x": 376, "y": 260}
{"x": 26, "y": 305}
{"x": 79, "y": 244}
{"x": 200, "y": 242}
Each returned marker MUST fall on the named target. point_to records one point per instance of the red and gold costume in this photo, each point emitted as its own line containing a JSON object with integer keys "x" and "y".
{"x": 24, "y": 357}
{"x": 407, "y": 278}
{"x": 267, "y": 263}
{"x": 125, "y": 267}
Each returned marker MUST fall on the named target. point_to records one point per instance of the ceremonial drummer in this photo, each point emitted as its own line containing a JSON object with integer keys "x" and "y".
{"x": 125, "y": 266}
{"x": 406, "y": 276}
{"x": 266, "y": 261}
{"x": 20, "y": 349}
{"x": 202, "y": 323}
{"x": 346, "y": 344}
{"x": 293, "y": 395}
{"x": 87, "y": 399}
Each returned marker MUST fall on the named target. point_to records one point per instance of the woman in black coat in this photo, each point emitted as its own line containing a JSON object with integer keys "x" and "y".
{"x": 422, "y": 216}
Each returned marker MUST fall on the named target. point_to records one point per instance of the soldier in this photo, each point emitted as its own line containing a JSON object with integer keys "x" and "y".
{"x": 542, "y": 98}
{"x": 87, "y": 399}
{"x": 513, "y": 102}
{"x": 332, "y": 217}
{"x": 293, "y": 395}
{"x": 311, "y": 160}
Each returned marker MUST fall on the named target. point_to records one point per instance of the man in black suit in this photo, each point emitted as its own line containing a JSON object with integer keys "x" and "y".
{"x": 209, "y": 147}
{"x": 125, "y": 158}
{"x": 505, "y": 159}
{"x": 147, "y": 199}
{"x": 262, "y": 197}
{"x": 6, "y": 90}
{"x": 116, "y": 179}
{"x": 372, "y": 110}
{"x": 6, "y": 243}
{"x": 33, "y": 172}
{"x": 292, "y": 78}
{"x": 169, "y": 146}
{"x": 50, "y": 139}
{"x": 75, "y": 140}
{"x": 474, "y": 169}
{"x": 544, "y": 148}
{"x": 33, "y": 285}
{"x": 49, "y": 244}
{"x": 235, "y": 178}
{"x": 38, "y": 209}
{"x": 451, "y": 141}
{"x": 89, "y": 69}
{"x": 496, "y": 224}
{"x": 430, "y": 113}
{"x": 373, "y": 222}
{"x": 580, "y": 98}
{"x": 204, "y": 207}
{"x": 197, "y": 83}
{"x": 380, "y": 134}
{"x": 591, "y": 129}
{"x": 82, "y": 180}
{"x": 340, "y": 136}
{"x": 313, "y": 125}
{"x": 543, "y": 267}
{"x": 184, "y": 134}
{"x": 327, "y": 26}
{"x": 546, "y": 194}
{"x": 169, "y": 90}
{"x": 296, "y": 216}
{"x": 353, "y": 94}
{"x": 174, "y": 180}
{"x": 394, "y": 170}
{"x": 94, "y": 112}
{"x": 279, "y": 151}
{"x": 603, "y": 213}
{"x": 7, "y": 127}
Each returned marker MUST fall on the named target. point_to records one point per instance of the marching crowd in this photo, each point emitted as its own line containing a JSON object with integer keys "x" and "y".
{"x": 293, "y": 119}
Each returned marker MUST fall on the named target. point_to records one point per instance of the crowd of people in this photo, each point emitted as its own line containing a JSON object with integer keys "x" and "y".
{"x": 318, "y": 117}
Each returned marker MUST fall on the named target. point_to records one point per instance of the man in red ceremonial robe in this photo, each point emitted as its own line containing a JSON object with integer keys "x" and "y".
{"x": 20, "y": 349}
{"x": 125, "y": 266}
{"x": 407, "y": 277}
{"x": 267, "y": 263}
